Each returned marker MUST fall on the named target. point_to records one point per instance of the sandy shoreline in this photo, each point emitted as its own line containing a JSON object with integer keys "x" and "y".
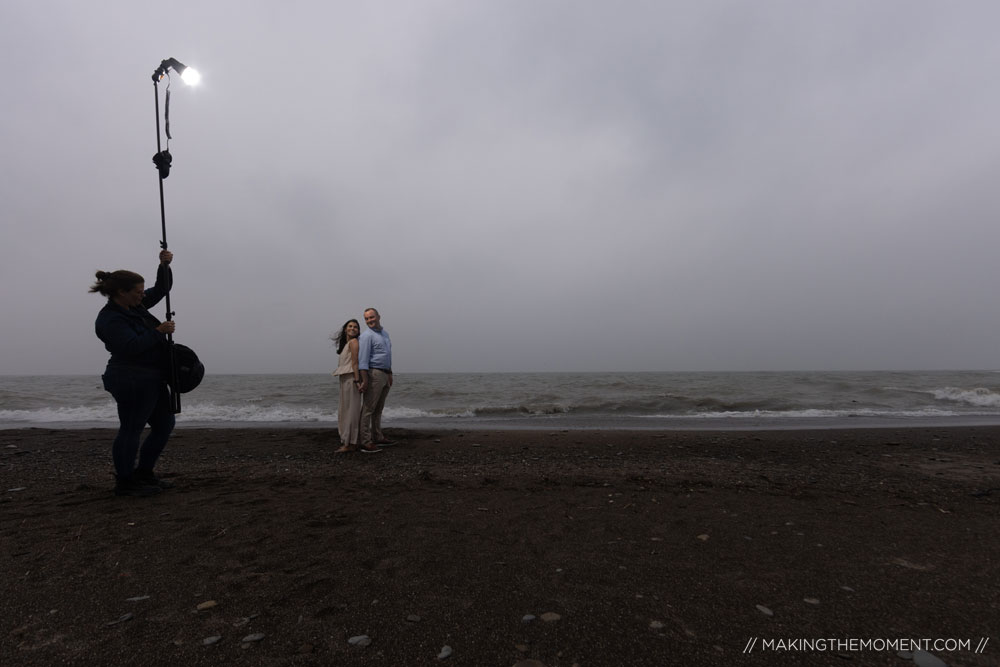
{"x": 653, "y": 548}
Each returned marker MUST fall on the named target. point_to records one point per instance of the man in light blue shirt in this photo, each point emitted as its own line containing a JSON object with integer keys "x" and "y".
{"x": 375, "y": 366}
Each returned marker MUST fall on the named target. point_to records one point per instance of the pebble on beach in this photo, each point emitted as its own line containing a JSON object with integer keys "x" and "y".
{"x": 445, "y": 652}
{"x": 360, "y": 640}
{"x": 121, "y": 619}
{"x": 764, "y": 610}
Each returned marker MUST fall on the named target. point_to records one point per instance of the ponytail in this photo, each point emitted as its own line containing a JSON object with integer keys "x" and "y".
{"x": 111, "y": 283}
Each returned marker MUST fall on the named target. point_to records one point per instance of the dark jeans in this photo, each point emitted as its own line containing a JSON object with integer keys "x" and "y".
{"x": 143, "y": 398}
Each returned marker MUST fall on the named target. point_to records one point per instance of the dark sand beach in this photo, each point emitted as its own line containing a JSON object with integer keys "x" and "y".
{"x": 627, "y": 548}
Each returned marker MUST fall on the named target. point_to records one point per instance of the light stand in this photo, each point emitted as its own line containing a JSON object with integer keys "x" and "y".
{"x": 162, "y": 160}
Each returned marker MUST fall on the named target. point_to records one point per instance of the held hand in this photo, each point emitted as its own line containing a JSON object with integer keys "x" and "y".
{"x": 362, "y": 386}
{"x": 167, "y": 327}
{"x": 166, "y": 257}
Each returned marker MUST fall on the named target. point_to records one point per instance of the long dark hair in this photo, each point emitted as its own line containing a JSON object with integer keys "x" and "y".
{"x": 341, "y": 337}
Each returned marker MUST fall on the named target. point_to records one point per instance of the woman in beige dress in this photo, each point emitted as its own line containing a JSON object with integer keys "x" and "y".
{"x": 349, "y": 411}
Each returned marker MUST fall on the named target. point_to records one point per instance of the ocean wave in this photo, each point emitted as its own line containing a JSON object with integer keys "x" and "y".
{"x": 61, "y": 415}
{"x": 979, "y": 397}
{"x": 224, "y": 414}
{"x": 668, "y": 404}
{"x": 391, "y": 413}
{"x": 58, "y": 401}
{"x": 813, "y": 414}
{"x": 190, "y": 412}
{"x": 210, "y": 413}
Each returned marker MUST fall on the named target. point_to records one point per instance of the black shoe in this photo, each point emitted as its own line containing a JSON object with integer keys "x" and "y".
{"x": 135, "y": 487}
{"x": 148, "y": 478}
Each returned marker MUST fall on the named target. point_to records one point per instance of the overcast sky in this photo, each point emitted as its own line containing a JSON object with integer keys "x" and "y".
{"x": 518, "y": 185}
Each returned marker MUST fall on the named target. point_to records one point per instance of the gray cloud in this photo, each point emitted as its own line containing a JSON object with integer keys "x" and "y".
{"x": 517, "y": 186}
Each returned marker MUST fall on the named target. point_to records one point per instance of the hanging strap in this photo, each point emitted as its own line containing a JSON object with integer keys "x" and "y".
{"x": 166, "y": 112}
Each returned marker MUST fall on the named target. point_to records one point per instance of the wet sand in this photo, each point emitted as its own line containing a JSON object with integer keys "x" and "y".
{"x": 627, "y": 548}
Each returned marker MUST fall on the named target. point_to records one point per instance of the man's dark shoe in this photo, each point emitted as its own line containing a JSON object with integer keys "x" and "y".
{"x": 148, "y": 478}
{"x": 134, "y": 487}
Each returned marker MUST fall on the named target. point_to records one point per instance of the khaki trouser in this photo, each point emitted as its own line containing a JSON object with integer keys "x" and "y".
{"x": 349, "y": 411}
{"x": 371, "y": 408}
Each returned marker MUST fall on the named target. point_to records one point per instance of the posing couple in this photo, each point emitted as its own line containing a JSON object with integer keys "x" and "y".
{"x": 365, "y": 371}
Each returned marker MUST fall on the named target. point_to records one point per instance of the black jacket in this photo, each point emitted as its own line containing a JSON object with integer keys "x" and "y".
{"x": 130, "y": 334}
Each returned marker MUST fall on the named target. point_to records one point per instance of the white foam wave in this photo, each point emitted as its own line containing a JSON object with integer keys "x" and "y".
{"x": 61, "y": 415}
{"x": 973, "y": 402}
{"x": 201, "y": 412}
{"x": 979, "y": 397}
{"x": 210, "y": 413}
{"x": 213, "y": 412}
{"x": 416, "y": 413}
{"x": 808, "y": 414}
